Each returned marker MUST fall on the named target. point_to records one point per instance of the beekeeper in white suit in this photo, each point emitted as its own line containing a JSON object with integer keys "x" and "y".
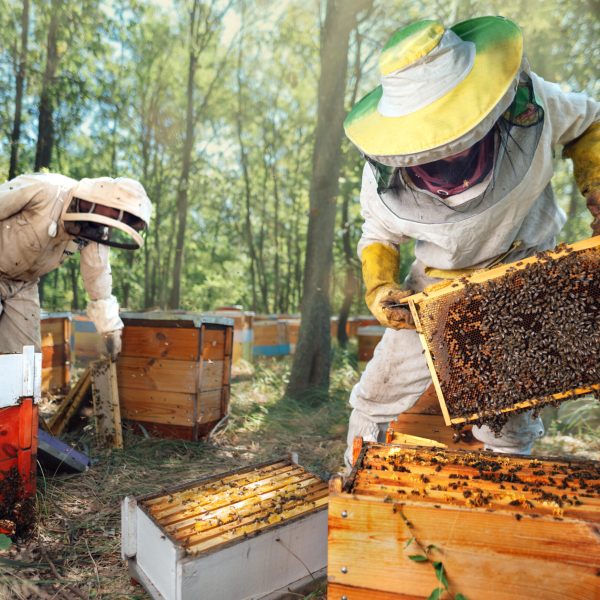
{"x": 44, "y": 219}
{"x": 459, "y": 140}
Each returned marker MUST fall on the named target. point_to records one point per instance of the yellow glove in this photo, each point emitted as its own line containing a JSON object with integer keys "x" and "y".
{"x": 585, "y": 152}
{"x": 380, "y": 267}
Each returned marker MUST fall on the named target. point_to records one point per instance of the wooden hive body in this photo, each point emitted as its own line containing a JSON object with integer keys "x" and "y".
{"x": 174, "y": 372}
{"x": 495, "y": 343}
{"x": 368, "y": 338}
{"x": 86, "y": 342}
{"x": 503, "y": 527}
{"x": 293, "y": 329}
{"x": 424, "y": 422}
{"x": 271, "y": 338}
{"x": 56, "y": 351}
{"x": 243, "y": 331}
{"x": 239, "y": 535}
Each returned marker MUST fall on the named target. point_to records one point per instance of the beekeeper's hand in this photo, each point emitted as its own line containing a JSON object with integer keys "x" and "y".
{"x": 380, "y": 266}
{"x": 113, "y": 343}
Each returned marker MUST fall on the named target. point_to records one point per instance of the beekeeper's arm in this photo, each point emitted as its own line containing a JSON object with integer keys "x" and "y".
{"x": 102, "y": 308}
{"x": 380, "y": 257}
{"x": 575, "y": 120}
{"x": 16, "y": 194}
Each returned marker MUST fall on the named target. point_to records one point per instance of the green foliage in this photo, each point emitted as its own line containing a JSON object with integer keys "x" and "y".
{"x": 120, "y": 109}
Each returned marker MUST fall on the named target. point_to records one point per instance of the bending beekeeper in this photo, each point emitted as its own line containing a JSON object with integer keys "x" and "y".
{"x": 459, "y": 141}
{"x": 44, "y": 219}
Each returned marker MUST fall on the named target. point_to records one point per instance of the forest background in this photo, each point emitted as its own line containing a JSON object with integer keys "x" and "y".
{"x": 213, "y": 105}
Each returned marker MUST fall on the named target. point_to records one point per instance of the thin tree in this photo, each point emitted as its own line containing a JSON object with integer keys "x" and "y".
{"x": 312, "y": 360}
{"x": 15, "y": 135}
{"x": 45, "y": 140}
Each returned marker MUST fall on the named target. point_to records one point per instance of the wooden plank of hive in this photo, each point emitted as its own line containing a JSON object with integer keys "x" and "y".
{"x": 157, "y": 374}
{"x": 157, "y": 407}
{"x": 107, "y": 412}
{"x": 504, "y": 549}
{"x": 161, "y": 342}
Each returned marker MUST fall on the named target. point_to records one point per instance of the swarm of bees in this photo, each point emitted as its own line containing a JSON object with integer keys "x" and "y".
{"x": 523, "y": 486}
{"x": 526, "y": 336}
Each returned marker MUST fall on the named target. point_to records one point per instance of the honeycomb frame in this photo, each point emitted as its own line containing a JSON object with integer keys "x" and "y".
{"x": 430, "y": 310}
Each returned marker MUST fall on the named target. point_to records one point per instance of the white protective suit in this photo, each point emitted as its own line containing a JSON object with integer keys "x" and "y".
{"x": 471, "y": 229}
{"x": 33, "y": 242}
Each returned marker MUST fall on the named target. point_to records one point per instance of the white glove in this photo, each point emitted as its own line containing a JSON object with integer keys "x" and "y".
{"x": 104, "y": 314}
{"x": 113, "y": 343}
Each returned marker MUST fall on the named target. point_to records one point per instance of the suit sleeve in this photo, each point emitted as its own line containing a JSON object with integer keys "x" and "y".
{"x": 103, "y": 308}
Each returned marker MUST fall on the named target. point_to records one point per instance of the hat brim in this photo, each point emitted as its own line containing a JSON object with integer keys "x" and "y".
{"x": 498, "y": 53}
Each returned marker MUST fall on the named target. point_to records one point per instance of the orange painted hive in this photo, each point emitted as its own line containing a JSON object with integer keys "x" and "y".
{"x": 412, "y": 520}
{"x": 20, "y": 388}
{"x": 174, "y": 372}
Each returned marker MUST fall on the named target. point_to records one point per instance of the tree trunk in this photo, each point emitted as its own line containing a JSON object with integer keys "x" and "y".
{"x": 184, "y": 179}
{"x": 15, "y": 135}
{"x": 312, "y": 360}
{"x": 45, "y": 140}
{"x": 351, "y": 285}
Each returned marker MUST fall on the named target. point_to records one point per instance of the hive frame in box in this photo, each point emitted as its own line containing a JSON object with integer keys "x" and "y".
{"x": 438, "y": 291}
{"x": 504, "y": 527}
{"x": 244, "y": 558}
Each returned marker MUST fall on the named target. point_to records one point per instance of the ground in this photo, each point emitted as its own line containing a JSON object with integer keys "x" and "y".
{"x": 74, "y": 551}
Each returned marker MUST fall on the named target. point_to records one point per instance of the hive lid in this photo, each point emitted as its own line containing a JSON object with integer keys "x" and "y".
{"x": 208, "y": 514}
{"x": 526, "y": 486}
{"x": 173, "y": 319}
{"x": 44, "y": 314}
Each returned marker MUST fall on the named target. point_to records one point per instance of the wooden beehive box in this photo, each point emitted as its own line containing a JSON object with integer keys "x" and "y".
{"x": 293, "y": 329}
{"x": 56, "y": 351}
{"x": 423, "y": 424}
{"x": 20, "y": 390}
{"x": 368, "y": 337}
{"x": 239, "y": 535}
{"x": 86, "y": 343}
{"x": 501, "y": 527}
{"x": 516, "y": 336}
{"x": 271, "y": 338}
{"x": 174, "y": 372}
{"x": 243, "y": 331}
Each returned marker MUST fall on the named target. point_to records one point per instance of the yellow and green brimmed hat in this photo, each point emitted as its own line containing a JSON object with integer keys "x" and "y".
{"x": 441, "y": 90}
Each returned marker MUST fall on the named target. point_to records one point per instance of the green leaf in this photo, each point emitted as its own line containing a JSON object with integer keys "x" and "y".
{"x": 431, "y": 547}
{"x": 5, "y": 542}
{"x": 460, "y": 596}
{"x": 436, "y": 594}
{"x": 409, "y": 542}
{"x": 440, "y": 574}
{"x": 418, "y": 557}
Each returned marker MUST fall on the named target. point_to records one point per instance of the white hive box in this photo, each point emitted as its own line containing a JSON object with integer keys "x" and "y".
{"x": 247, "y": 534}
